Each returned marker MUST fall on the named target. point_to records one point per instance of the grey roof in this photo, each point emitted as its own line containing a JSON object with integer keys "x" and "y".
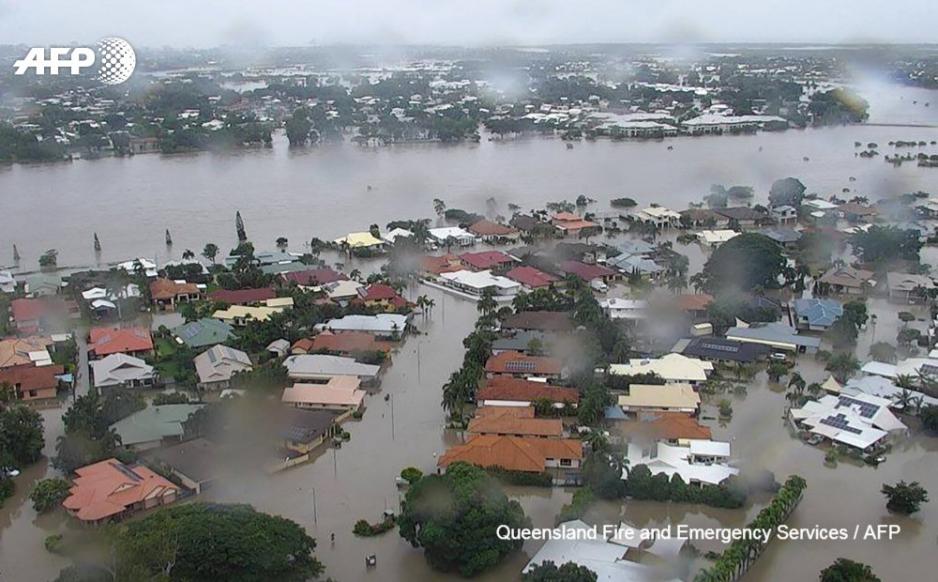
{"x": 204, "y": 332}
{"x": 718, "y": 348}
{"x": 775, "y": 332}
{"x": 633, "y": 263}
{"x": 196, "y": 459}
{"x": 818, "y": 312}
{"x": 304, "y": 426}
{"x": 636, "y": 247}
{"x": 519, "y": 341}
{"x": 385, "y": 323}
{"x": 781, "y": 234}
{"x": 120, "y": 368}
{"x": 219, "y": 363}
{"x": 322, "y": 365}
{"x": 154, "y": 423}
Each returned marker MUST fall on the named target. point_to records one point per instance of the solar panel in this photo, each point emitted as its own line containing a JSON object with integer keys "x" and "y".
{"x": 840, "y": 422}
{"x": 520, "y": 366}
{"x": 866, "y": 410}
{"x": 720, "y": 347}
{"x": 126, "y": 472}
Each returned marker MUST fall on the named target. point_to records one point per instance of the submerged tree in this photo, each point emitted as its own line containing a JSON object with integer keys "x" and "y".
{"x": 844, "y": 570}
{"x": 239, "y": 227}
{"x": 454, "y": 518}
{"x": 905, "y": 497}
{"x": 210, "y": 252}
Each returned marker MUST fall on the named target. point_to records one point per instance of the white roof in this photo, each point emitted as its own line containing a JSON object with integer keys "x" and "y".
{"x": 219, "y": 363}
{"x": 119, "y": 368}
{"x": 880, "y": 369}
{"x": 343, "y": 288}
{"x": 382, "y": 323}
{"x": 393, "y": 235}
{"x": 715, "y": 237}
{"x": 660, "y": 212}
{"x": 446, "y": 232}
{"x": 856, "y": 419}
{"x": 606, "y": 559}
{"x": 671, "y": 367}
{"x": 709, "y": 448}
{"x": 671, "y": 459}
{"x": 313, "y": 366}
{"x": 480, "y": 280}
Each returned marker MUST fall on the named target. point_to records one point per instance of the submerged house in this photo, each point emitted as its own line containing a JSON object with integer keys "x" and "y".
{"x": 110, "y": 490}
{"x": 561, "y": 458}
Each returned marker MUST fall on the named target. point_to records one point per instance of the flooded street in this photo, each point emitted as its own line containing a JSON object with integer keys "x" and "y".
{"x": 323, "y": 192}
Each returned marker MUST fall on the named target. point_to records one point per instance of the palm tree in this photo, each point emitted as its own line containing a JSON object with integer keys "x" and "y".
{"x": 814, "y": 389}
{"x": 797, "y": 382}
{"x": 904, "y": 399}
{"x": 487, "y": 304}
{"x": 355, "y": 275}
{"x": 188, "y": 255}
{"x": 282, "y": 242}
{"x": 905, "y": 381}
{"x": 842, "y": 366}
{"x": 210, "y": 252}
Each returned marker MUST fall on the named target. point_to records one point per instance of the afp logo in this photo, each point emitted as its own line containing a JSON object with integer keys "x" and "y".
{"x": 114, "y": 56}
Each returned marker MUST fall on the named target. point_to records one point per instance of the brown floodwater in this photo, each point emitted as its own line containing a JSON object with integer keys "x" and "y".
{"x": 323, "y": 193}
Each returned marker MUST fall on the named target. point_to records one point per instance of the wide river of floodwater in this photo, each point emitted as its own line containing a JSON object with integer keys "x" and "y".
{"x": 323, "y": 192}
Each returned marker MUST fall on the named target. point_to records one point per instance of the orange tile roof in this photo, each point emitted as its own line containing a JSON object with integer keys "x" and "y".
{"x": 505, "y": 388}
{"x": 168, "y": 289}
{"x": 109, "y": 487}
{"x": 511, "y": 362}
{"x": 488, "y": 228}
{"x": 109, "y": 340}
{"x": 666, "y": 426}
{"x": 689, "y": 302}
{"x": 442, "y": 264}
{"x": 507, "y": 424}
{"x": 15, "y": 351}
{"x": 515, "y": 411}
{"x": 512, "y": 453}
{"x": 29, "y": 377}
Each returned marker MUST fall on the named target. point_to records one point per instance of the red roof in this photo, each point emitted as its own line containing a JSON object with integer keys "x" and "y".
{"x": 691, "y": 302}
{"x": 483, "y": 260}
{"x": 585, "y": 271}
{"x": 314, "y": 277}
{"x": 29, "y": 377}
{"x": 511, "y": 362}
{"x": 488, "y": 228}
{"x": 243, "y": 296}
{"x": 531, "y": 277}
{"x": 109, "y": 488}
{"x": 107, "y": 340}
{"x": 512, "y": 453}
{"x": 505, "y": 388}
{"x": 168, "y": 289}
{"x": 382, "y": 292}
{"x": 441, "y": 264}
{"x": 27, "y": 309}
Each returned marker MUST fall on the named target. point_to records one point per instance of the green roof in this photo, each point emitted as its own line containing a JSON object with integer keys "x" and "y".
{"x": 154, "y": 423}
{"x": 204, "y": 332}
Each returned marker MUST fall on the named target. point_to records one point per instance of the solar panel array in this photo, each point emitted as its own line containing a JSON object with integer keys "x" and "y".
{"x": 720, "y": 347}
{"x": 520, "y": 366}
{"x": 191, "y": 330}
{"x": 840, "y": 422}
{"x": 866, "y": 409}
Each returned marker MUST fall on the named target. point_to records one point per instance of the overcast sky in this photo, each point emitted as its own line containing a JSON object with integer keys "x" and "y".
{"x": 206, "y": 23}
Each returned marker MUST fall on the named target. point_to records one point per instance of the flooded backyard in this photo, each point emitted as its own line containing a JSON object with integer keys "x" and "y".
{"x": 323, "y": 193}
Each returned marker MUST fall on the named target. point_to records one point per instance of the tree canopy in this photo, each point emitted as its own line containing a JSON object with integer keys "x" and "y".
{"x": 568, "y": 572}
{"x": 844, "y": 570}
{"x": 882, "y": 244}
{"x": 905, "y": 497}
{"x": 743, "y": 262}
{"x": 787, "y": 192}
{"x": 454, "y": 517}
{"x": 211, "y": 542}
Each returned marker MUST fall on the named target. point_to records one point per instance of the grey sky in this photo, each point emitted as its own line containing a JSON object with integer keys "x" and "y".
{"x": 203, "y": 23}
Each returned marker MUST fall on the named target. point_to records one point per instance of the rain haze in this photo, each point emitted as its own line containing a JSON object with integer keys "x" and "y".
{"x": 180, "y": 23}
